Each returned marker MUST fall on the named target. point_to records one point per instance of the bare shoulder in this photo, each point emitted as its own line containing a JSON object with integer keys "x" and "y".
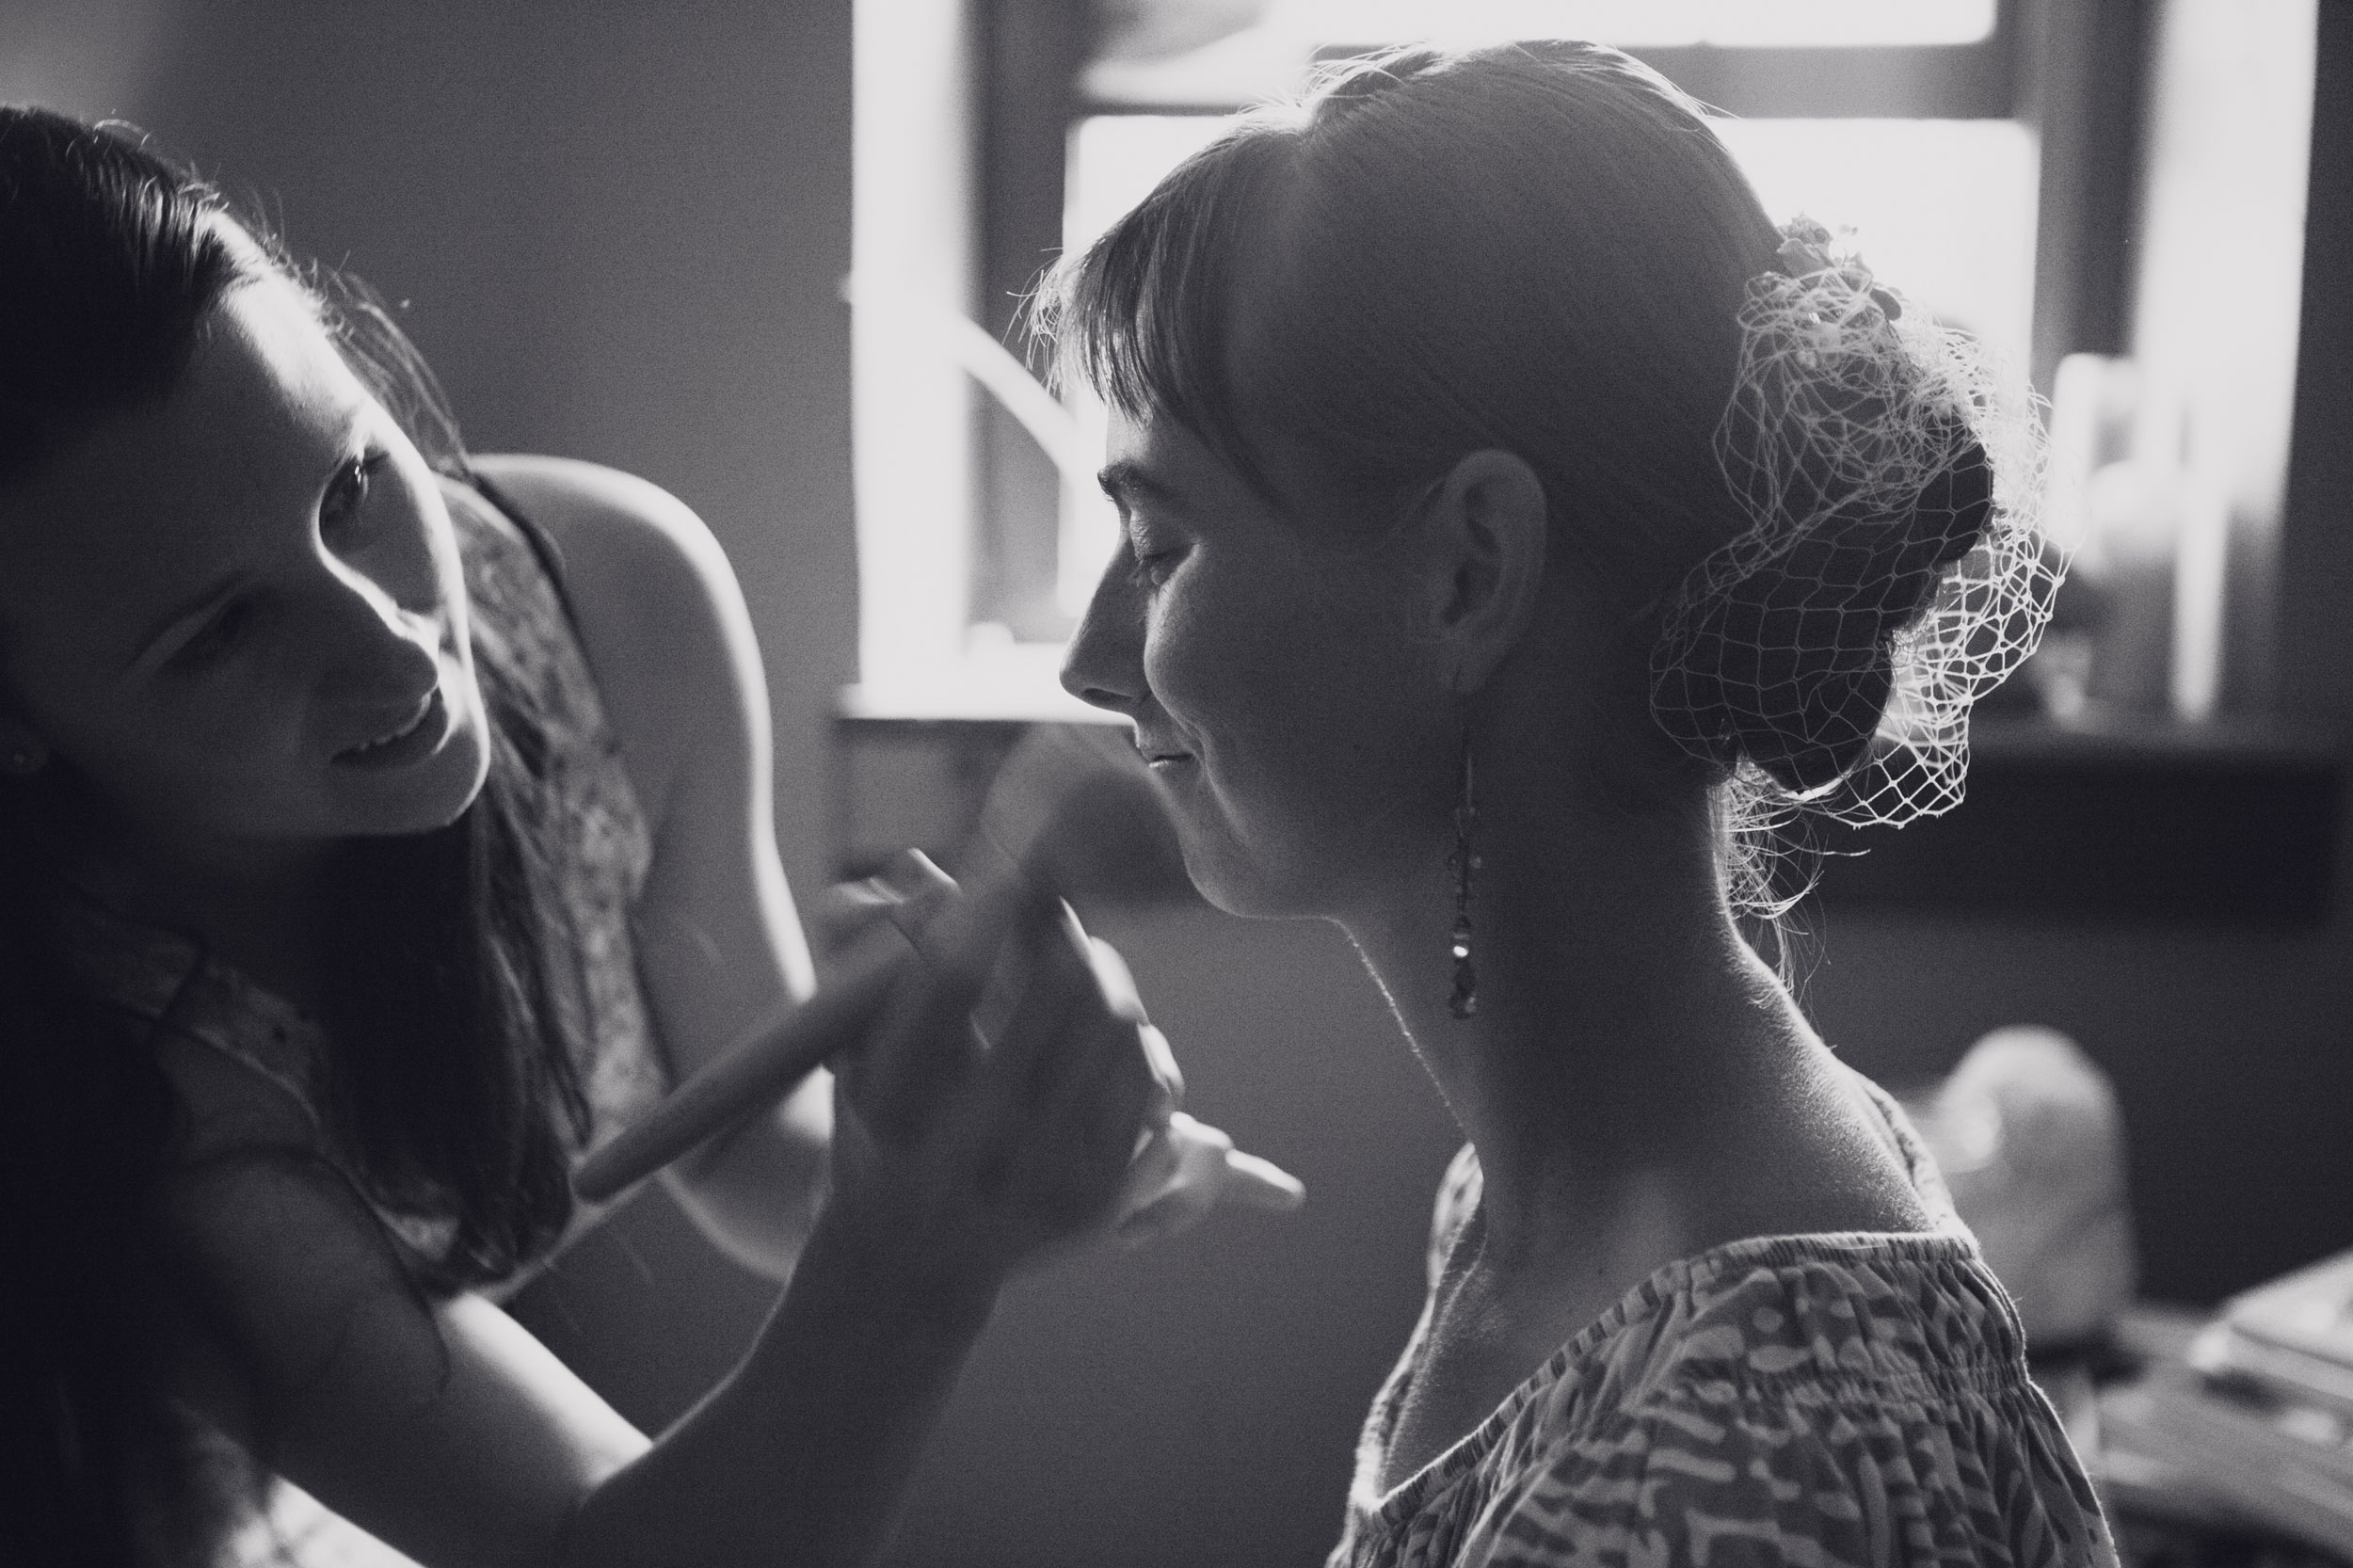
{"x": 608, "y": 523}
{"x": 661, "y": 616}
{"x": 226, "y": 1104}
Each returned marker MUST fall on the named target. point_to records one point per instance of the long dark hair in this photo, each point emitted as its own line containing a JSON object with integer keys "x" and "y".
{"x": 454, "y": 992}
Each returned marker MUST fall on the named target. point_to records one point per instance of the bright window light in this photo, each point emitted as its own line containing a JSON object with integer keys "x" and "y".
{"x": 1642, "y": 24}
{"x": 1274, "y": 58}
{"x": 1944, "y": 210}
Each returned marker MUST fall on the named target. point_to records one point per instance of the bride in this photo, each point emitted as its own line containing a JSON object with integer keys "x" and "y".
{"x": 1519, "y": 525}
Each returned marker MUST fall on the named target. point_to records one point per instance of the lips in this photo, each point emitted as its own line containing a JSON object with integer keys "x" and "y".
{"x": 412, "y": 735}
{"x": 1157, "y": 753}
{"x": 423, "y": 710}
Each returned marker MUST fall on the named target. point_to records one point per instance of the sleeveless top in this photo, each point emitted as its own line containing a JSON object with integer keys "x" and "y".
{"x": 517, "y": 612}
{"x": 1814, "y": 1402}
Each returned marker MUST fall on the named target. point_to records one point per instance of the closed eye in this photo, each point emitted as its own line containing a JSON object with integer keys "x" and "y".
{"x": 1149, "y": 571}
{"x": 1151, "y": 568}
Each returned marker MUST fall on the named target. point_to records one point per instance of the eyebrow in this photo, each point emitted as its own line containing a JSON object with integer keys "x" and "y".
{"x": 1127, "y": 479}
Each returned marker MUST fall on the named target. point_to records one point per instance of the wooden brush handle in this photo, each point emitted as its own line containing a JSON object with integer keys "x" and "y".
{"x": 755, "y": 1073}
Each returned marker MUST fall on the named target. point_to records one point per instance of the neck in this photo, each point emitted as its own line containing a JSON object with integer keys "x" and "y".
{"x": 1622, "y": 1023}
{"x": 254, "y": 902}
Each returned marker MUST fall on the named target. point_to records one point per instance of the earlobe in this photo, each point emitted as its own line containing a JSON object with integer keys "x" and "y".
{"x": 1495, "y": 525}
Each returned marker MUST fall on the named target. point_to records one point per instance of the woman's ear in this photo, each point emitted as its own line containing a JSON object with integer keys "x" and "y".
{"x": 23, "y": 753}
{"x": 1487, "y": 528}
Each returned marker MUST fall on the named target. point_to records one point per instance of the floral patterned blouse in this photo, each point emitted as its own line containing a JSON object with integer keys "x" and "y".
{"x": 1815, "y": 1402}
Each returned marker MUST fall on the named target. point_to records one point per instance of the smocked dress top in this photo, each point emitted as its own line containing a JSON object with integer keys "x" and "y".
{"x": 1835, "y": 1400}
{"x": 603, "y": 853}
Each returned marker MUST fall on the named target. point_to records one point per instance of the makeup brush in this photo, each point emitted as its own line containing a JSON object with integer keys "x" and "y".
{"x": 1055, "y": 809}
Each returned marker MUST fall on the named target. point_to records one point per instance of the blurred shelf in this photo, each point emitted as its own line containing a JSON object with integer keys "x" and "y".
{"x": 2230, "y": 824}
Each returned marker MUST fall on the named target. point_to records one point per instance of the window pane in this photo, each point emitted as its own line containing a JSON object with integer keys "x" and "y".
{"x": 1943, "y": 209}
{"x": 1643, "y": 24}
{"x": 1272, "y": 58}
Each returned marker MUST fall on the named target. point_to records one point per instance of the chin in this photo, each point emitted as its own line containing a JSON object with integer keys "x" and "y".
{"x": 1240, "y": 883}
{"x": 430, "y": 795}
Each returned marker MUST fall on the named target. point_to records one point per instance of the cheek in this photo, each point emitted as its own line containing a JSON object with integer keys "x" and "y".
{"x": 411, "y": 553}
{"x": 1228, "y": 655}
{"x": 1297, "y": 695}
{"x": 218, "y": 757}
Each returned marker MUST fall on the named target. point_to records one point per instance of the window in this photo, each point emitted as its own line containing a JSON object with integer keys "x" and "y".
{"x": 985, "y": 145}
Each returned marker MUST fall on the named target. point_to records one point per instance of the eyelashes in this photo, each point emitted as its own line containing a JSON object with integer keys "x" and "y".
{"x": 219, "y": 635}
{"x": 348, "y": 490}
{"x": 1150, "y": 569}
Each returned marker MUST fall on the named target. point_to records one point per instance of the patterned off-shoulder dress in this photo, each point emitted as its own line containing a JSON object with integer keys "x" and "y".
{"x": 1847, "y": 1400}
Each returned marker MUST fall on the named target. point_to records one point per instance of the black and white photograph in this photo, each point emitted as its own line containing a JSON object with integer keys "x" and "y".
{"x": 1176, "y": 783}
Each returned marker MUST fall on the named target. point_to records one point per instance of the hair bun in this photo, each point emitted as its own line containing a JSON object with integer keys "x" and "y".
{"x": 1878, "y": 568}
{"x": 1798, "y": 657}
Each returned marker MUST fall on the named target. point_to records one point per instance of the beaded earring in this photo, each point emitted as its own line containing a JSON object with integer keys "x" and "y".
{"x": 1463, "y": 1002}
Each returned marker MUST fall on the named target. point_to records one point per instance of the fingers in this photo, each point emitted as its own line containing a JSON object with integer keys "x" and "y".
{"x": 1158, "y": 1160}
{"x": 916, "y": 891}
{"x": 1120, "y": 995}
{"x": 925, "y": 1042}
{"x": 1054, "y": 977}
{"x": 1255, "y": 1183}
{"x": 1021, "y": 1070}
{"x": 842, "y": 913}
{"x": 1113, "y": 981}
{"x": 908, "y": 893}
{"x": 1202, "y": 1169}
{"x": 1098, "y": 1089}
{"x": 1174, "y": 1183}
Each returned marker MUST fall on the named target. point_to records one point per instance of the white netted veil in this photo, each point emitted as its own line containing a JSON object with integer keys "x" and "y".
{"x": 1892, "y": 572}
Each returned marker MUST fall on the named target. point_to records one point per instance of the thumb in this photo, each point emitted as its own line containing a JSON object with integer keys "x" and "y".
{"x": 1257, "y": 1183}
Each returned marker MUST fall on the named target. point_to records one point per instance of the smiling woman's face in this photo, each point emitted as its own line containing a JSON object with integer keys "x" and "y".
{"x": 239, "y": 612}
{"x": 1297, "y": 725}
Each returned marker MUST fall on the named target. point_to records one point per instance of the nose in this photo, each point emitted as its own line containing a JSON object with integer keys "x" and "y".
{"x": 375, "y": 648}
{"x": 1104, "y": 665}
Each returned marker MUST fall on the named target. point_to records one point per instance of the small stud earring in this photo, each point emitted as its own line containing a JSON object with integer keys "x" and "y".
{"x": 1463, "y": 1002}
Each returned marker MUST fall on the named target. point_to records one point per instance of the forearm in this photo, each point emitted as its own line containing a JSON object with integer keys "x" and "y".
{"x": 801, "y": 1456}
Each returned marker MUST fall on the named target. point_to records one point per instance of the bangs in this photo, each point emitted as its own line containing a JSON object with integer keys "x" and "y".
{"x": 1142, "y": 317}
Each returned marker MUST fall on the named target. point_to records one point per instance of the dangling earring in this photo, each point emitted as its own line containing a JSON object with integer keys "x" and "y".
{"x": 1465, "y": 1002}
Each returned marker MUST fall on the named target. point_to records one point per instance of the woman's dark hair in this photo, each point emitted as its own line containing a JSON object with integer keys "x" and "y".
{"x": 454, "y": 987}
{"x": 1542, "y": 247}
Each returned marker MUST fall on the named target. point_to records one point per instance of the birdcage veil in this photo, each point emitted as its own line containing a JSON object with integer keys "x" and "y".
{"x": 1892, "y": 572}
